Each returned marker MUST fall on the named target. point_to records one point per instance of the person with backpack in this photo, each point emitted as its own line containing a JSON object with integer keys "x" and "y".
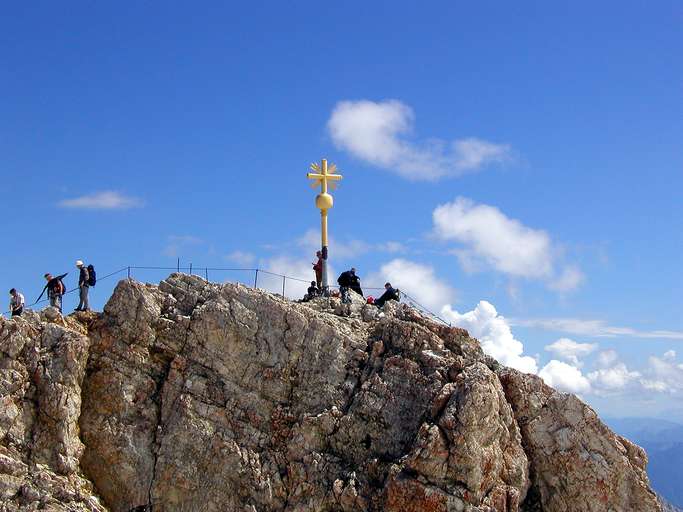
{"x": 389, "y": 294}
{"x": 55, "y": 289}
{"x": 16, "y": 303}
{"x": 348, "y": 280}
{"x": 83, "y": 286}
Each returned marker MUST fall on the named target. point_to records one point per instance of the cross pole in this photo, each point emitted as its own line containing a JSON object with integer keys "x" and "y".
{"x": 324, "y": 201}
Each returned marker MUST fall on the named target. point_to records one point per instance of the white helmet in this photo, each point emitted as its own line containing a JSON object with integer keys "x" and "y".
{"x": 79, "y": 263}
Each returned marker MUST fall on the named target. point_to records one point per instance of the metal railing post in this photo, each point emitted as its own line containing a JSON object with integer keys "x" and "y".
{"x": 206, "y": 273}
{"x": 190, "y": 268}
{"x": 256, "y": 279}
{"x": 284, "y": 280}
{"x": 128, "y": 272}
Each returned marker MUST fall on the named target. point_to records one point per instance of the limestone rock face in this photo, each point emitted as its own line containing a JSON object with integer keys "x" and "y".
{"x": 42, "y": 365}
{"x": 197, "y": 396}
{"x": 577, "y": 462}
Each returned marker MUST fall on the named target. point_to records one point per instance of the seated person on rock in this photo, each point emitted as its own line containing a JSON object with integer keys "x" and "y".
{"x": 312, "y": 292}
{"x": 389, "y": 294}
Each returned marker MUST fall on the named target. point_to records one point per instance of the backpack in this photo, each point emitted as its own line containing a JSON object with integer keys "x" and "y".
{"x": 92, "y": 276}
{"x": 54, "y": 285}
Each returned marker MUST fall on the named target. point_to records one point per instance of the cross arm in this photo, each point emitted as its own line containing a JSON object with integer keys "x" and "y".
{"x": 314, "y": 176}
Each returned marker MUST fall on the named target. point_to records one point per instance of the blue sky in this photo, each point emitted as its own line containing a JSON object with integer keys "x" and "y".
{"x": 549, "y": 134}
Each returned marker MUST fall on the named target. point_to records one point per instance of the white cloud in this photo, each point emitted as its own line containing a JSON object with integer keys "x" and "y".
{"x": 376, "y": 132}
{"x": 175, "y": 244}
{"x": 346, "y": 250}
{"x": 570, "y": 279}
{"x": 614, "y": 378}
{"x": 607, "y": 357}
{"x": 491, "y": 238}
{"x": 664, "y": 374}
{"x": 243, "y": 258}
{"x": 106, "y": 200}
{"x": 473, "y": 153}
{"x": 299, "y": 270}
{"x": 564, "y": 377}
{"x": 417, "y": 280}
{"x": 596, "y": 328}
{"x": 494, "y": 334}
{"x": 570, "y": 350}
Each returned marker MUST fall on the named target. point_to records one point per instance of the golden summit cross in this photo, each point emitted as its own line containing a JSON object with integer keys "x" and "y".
{"x": 324, "y": 201}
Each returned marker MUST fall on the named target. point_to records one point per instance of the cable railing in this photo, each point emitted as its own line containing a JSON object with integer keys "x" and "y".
{"x": 254, "y": 276}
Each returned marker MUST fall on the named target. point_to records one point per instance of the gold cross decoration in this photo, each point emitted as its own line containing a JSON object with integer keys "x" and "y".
{"x": 321, "y": 175}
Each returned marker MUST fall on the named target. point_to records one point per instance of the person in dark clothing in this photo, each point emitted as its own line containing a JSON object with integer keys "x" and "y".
{"x": 312, "y": 292}
{"x": 55, "y": 289}
{"x": 83, "y": 287}
{"x": 16, "y": 304}
{"x": 349, "y": 281}
{"x": 389, "y": 294}
{"x": 318, "y": 269}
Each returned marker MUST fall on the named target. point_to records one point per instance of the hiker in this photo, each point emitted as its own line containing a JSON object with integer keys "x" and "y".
{"x": 312, "y": 292}
{"x": 349, "y": 281}
{"x": 55, "y": 289}
{"x": 83, "y": 286}
{"x": 16, "y": 303}
{"x": 389, "y": 294}
{"x": 318, "y": 269}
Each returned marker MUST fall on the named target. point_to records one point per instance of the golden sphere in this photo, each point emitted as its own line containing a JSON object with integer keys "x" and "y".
{"x": 324, "y": 201}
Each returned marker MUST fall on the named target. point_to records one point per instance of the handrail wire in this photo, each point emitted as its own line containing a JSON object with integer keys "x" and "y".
{"x": 257, "y": 270}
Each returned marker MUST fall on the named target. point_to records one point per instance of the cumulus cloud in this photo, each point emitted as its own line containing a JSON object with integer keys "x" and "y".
{"x": 564, "y": 377}
{"x": 106, "y": 200}
{"x": 490, "y": 238}
{"x": 613, "y": 378}
{"x": 606, "y": 358}
{"x": 494, "y": 333}
{"x": 298, "y": 269}
{"x": 376, "y": 132}
{"x": 664, "y": 374}
{"x": 570, "y": 351}
{"x": 417, "y": 280}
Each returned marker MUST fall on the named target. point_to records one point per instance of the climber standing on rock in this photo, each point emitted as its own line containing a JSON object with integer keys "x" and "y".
{"x": 318, "y": 269}
{"x": 348, "y": 280}
{"x": 16, "y": 303}
{"x": 55, "y": 289}
{"x": 83, "y": 286}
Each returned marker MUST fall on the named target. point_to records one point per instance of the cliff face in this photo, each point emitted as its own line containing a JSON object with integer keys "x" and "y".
{"x": 196, "y": 396}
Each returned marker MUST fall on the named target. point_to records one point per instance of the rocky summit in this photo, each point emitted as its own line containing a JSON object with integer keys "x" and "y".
{"x": 193, "y": 396}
